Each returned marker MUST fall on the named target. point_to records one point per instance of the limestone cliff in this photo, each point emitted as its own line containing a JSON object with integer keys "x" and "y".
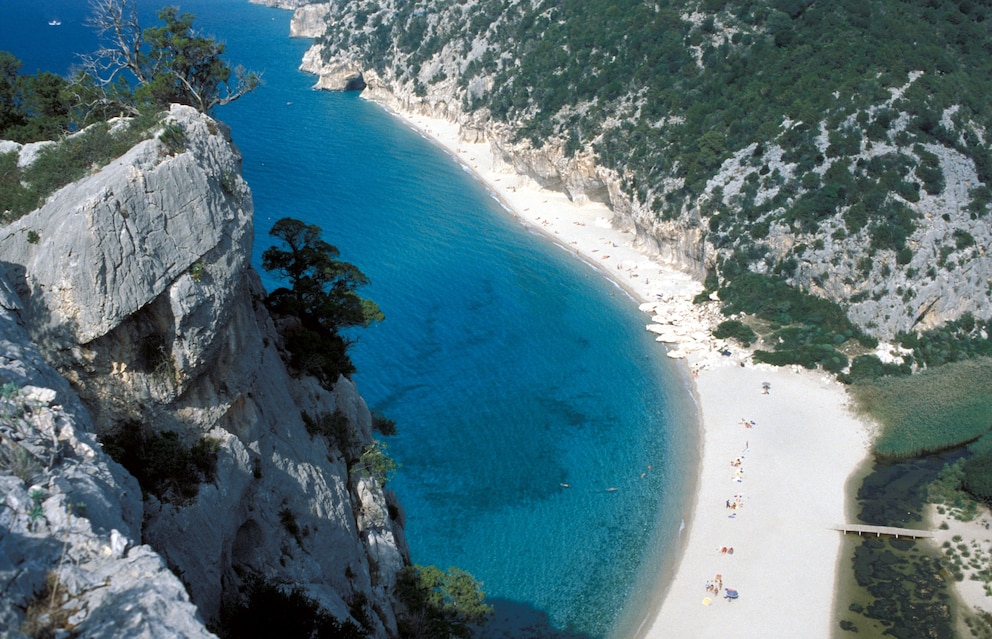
{"x": 282, "y": 4}
{"x": 875, "y": 202}
{"x": 70, "y": 518}
{"x": 310, "y": 20}
{"x": 139, "y": 291}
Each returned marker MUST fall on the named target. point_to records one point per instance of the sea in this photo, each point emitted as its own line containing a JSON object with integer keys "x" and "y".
{"x": 545, "y": 442}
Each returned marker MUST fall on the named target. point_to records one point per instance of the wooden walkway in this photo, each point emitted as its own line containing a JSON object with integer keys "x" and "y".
{"x": 878, "y": 531}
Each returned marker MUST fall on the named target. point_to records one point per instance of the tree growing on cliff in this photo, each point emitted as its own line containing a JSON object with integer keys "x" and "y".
{"x": 440, "y": 604}
{"x": 165, "y": 64}
{"x": 321, "y": 294}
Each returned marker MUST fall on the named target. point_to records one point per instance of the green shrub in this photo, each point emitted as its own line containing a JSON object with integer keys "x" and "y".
{"x": 981, "y": 197}
{"x": 334, "y": 427}
{"x": 963, "y": 239}
{"x": 173, "y": 137}
{"x": 18, "y": 461}
{"x": 956, "y": 340}
{"x": 977, "y": 478}
{"x": 264, "y": 609}
{"x": 867, "y": 367}
{"x": 438, "y": 603}
{"x": 375, "y": 463}
{"x": 382, "y": 424}
{"x": 774, "y": 300}
{"x": 805, "y": 329}
{"x": 930, "y": 172}
{"x": 737, "y": 330}
{"x": 163, "y": 465}
{"x": 288, "y": 520}
{"x": 807, "y": 356}
{"x": 319, "y": 353}
{"x": 23, "y": 190}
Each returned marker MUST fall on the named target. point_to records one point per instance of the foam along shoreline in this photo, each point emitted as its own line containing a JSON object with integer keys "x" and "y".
{"x": 788, "y": 487}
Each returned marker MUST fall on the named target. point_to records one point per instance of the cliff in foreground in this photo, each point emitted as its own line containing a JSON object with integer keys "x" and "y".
{"x": 131, "y": 316}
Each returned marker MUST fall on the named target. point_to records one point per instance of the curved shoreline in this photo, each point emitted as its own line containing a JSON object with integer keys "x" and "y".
{"x": 796, "y": 459}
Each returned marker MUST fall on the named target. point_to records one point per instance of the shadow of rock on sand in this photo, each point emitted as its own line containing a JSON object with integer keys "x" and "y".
{"x": 515, "y": 620}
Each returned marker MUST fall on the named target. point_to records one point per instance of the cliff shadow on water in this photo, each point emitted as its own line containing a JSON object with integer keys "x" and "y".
{"x": 516, "y": 620}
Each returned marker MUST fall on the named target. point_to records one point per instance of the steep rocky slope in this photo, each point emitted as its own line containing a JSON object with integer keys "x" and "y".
{"x": 137, "y": 288}
{"x": 833, "y": 145}
{"x": 70, "y": 518}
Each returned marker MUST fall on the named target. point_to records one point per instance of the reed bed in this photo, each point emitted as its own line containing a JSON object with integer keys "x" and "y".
{"x": 934, "y": 410}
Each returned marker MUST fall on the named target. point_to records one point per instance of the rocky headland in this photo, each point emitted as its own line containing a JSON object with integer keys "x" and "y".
{"x": 450, "y": 71}
{"x": 129, "y": 309}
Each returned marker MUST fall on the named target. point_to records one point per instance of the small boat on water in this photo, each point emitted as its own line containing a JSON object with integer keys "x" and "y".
{"x": 54, "y": 23}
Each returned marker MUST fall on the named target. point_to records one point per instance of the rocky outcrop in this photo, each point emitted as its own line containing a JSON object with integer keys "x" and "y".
{"x": 945, "y": 275}
{"x": 333, "y": 74}
{"x": 282, "y": 4}
{"x": 310, "y": 21}
{"x": 139, "y": 290}
{"x": 71, "y": 558}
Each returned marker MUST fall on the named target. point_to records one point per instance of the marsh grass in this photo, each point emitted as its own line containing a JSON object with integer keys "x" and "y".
{"x": 934, "y": 410}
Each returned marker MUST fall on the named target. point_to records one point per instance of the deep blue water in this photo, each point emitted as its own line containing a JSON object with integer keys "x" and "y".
{"x": 511, "y": 368}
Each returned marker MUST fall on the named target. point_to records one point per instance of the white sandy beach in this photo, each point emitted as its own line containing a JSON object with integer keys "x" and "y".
{"x": 795, "y": 460}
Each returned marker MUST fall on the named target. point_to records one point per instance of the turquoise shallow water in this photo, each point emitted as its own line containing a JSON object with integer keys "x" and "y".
{"x": 511, "y": 368}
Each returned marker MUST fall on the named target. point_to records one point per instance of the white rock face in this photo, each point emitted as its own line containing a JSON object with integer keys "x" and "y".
{"x": 336, "y": 74}
{"x": 310, "y": 21}
{"x": 140, "y": 292}
{"x": 281, "y": 4}
{"x": 70, "y": 514}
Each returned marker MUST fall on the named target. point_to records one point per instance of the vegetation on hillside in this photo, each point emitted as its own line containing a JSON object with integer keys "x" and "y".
{"x": 23, "y": 189}
{"x": 828, "y": 122}
{"x": 163, "y": 464}
{"x": 673, "y": 88}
